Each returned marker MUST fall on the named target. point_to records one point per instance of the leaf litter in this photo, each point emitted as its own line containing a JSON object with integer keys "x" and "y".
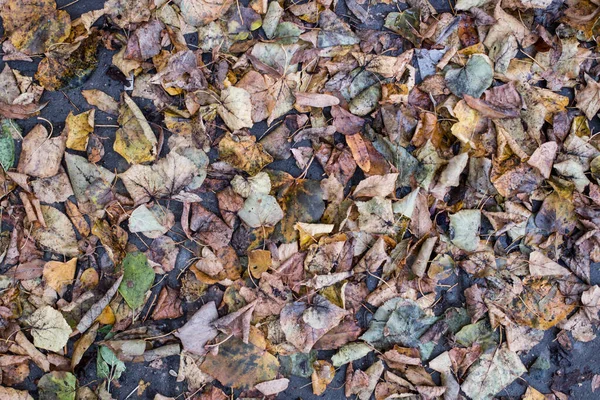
{"x": 300, "y": 194}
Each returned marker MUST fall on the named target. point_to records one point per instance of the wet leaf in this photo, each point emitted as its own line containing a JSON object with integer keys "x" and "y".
{"x": 138, "y": 277}
{"x": 135, "y": 140}
{"x": 57, "y": 385}
{"x": 240, "y": 365}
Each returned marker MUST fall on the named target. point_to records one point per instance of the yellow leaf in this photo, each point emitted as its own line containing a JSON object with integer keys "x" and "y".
{"x": 58, "y": 275}
{"x": 135, "y": 140}
{"x": 78, "y": 128}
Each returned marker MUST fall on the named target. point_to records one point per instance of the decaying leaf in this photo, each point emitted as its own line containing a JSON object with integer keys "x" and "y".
{"x": 49, "y": 329}
{"x": 241, "y": 365}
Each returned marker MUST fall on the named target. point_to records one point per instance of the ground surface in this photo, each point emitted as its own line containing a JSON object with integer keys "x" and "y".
{"x": 582, "y": 360}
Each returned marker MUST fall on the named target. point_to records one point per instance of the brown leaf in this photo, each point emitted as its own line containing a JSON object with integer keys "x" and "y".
{"x": 168, "y": 305}
{"x": 240, "y": 365}
{"x": 41, "y": 155}
{"x": 103, "y": 101}
{"x": 243, "y": 153}
{"x": 588, "y": 99}
{"x": 304, "y": 325}
{"x": 315, "y": 100}
{"x": 209, "y": 228}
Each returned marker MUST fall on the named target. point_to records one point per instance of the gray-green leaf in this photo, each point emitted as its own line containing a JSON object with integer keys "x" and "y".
{"x": 472, "y": 79}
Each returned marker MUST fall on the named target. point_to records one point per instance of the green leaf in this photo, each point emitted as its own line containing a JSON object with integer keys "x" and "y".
{"x": 398, "y": 321}
{"x": 406, "y": 24}
{"x": 108, "y": 366}
{"x": 57, "y": 385}
{"x": 472, "y": 79}
{"x": 138, "y": 277}
{"x": 7, "y": 144}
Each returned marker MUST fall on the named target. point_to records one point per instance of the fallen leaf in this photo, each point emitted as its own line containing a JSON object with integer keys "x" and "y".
{"x": 243, "y": 153}
{"x": 41, "y": 154}
{"x": 49, "y": 329}
{"x": 103, "y": 101}
{"x": 198, "y": 330}
{"x": 135, "y": 140}
{"x": 303, "y": 325}
{"x": 78, "y": 128}
{"x": 240, "y": 365}
{"x": 59, "y": 275}
{"x": 138, "y": 277}
{"x": 260, "y": 210}
{"x": 58, "y": 234}
{"x": 492, "y": 373}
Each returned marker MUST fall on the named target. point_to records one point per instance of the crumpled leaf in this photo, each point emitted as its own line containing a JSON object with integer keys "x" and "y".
{"x": 138, "y": 277}
{"x": 49, "y": 329}
{"x": 134, "y": 140}
{"x": 243, "y": 153}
